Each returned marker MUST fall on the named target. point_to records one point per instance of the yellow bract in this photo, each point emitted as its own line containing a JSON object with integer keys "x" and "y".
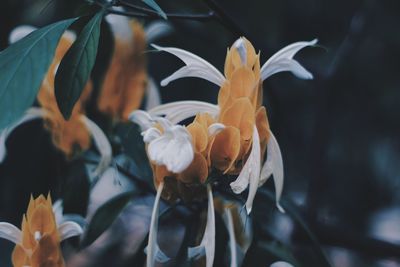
{"x": 239, "y": 99}
{"x": 126, "y": 79}
{"x": 72, "y": 135}
{"x": 40, "y": 238}
{"x": 241, "y": 111}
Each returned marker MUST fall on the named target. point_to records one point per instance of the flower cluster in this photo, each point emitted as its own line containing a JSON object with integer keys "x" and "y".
{"x": 231, "y": 137}
{"x": 42, "y": 230}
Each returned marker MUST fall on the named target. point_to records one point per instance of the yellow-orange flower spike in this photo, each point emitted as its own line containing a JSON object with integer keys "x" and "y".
{"x": 72, "y": 135}
{"x": 126, "y": 79}
{"x": 40, "y": 238}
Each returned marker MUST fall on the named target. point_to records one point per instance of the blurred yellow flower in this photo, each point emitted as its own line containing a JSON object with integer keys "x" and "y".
{"x": 126, "y": 79}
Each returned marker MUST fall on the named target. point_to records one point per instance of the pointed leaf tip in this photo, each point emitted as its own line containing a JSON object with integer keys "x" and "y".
{"x": 156, "y": 7}
{"x": 76, "y": 66}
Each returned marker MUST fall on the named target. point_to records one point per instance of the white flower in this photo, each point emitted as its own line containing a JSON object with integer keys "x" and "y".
{"x": 198, "y": 67}
{"x": 173, "y": 146}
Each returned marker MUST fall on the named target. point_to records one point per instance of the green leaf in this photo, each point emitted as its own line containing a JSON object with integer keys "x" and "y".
{"x": 76, "y": 66}
{"x": 105, "y": 215}
{"x": 156, "y": 7}
{"x": 22, "y": 68}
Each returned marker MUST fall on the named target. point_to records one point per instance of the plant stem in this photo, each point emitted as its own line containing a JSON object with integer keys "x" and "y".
{"x": 224, "y": 18}
{"x": 171, "y": 16}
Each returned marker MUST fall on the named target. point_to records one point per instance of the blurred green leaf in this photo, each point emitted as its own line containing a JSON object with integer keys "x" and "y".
{"x": 22, "y": 68}
{"x": 105, "y": 216}
{"x": 76, "y": 66}
{"x": 156, "y": 7}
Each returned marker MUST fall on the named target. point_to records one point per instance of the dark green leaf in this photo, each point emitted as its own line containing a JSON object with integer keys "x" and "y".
{"x": 156, "y": 7}
{"x": 76, "y": 66}
{"x": 22, "y": 68}
{"x": 105, "y": 216}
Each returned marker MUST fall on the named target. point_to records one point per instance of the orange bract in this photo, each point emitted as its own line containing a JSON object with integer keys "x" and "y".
{"x": 126, "y": 79}
{"x": 40, "y": 238}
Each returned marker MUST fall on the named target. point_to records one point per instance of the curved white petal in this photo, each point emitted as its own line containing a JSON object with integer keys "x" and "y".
{"x": 157, "y": 30}
{"x": 58, "y": 208}
{"x": 153, "y": 250}
{"x": 10, "y": 232}
{"x": 173, "y": 149}
{"x": 142, "y": 118}
{"x": 30, "y": 114}
{"x": 150, "y": 134}
{"x": 273, "y": 166}
{"x": 283, "y": 61}
{"x": 232, "y": 238}
{"x": 20, "y": 32}
{"x": 281, "y": 264}
{"x": 153, "y": 98}
{"x": 181, "y": 110}
{"x": 250, "y": 173}
{"x": 69, "y": 229}
{"x": 102, "y": 144}
{"x": 215, "y": 128}
{"x": 207, "y": 245}
{"x": 195, "y": 67}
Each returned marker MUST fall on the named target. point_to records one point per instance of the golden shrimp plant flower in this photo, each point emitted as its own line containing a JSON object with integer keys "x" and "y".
{"x": 240, "y": 138}
{"x": 42, "y": 230}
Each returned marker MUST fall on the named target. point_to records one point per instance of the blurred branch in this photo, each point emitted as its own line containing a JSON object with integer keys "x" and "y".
{"x": 171, "y": 16}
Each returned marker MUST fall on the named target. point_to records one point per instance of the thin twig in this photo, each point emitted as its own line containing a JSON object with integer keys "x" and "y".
{"x": 171, "y": 16}
{"x": 224, "y": 18}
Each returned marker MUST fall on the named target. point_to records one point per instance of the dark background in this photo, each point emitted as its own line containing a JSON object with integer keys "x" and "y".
{"x": 338, "y": 133}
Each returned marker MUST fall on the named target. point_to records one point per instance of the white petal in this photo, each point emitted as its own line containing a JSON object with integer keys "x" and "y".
{"x": 157, "y": 30}
{"x": 30, "y": 114}
{"x": 159, "y": 254}
{"x": 240, "y": 45}
{"x": 153, "y": 98}
{"x": 173, "y": 149}
{"x": 20, "y": 32}
{"x": 273, "y": 166}
{"x": 181, "y": 110}
{"x": 69, "y": 229}
{"x": 58, "y": 211}
{"x": 281, "y": 264}
{"x": 102, "y": 144}
{"x": 250, "y": 173}
{"x": 152, "y": 246}
{"x": 141, "y": 118}
{"x": 207, "y": 244}
{"x": 120, "y": 26}
{"x": 195, "y": 67}
{"x": 232, "y": 239}
{"x": 283, "y": 61}
{"x": 150, "y": 134}
{"x": 215, "y": 128}
{"x": 10, "y": 232}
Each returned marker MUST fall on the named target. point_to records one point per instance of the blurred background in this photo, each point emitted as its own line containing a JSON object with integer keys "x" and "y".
{"x": 339, "y": 133}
